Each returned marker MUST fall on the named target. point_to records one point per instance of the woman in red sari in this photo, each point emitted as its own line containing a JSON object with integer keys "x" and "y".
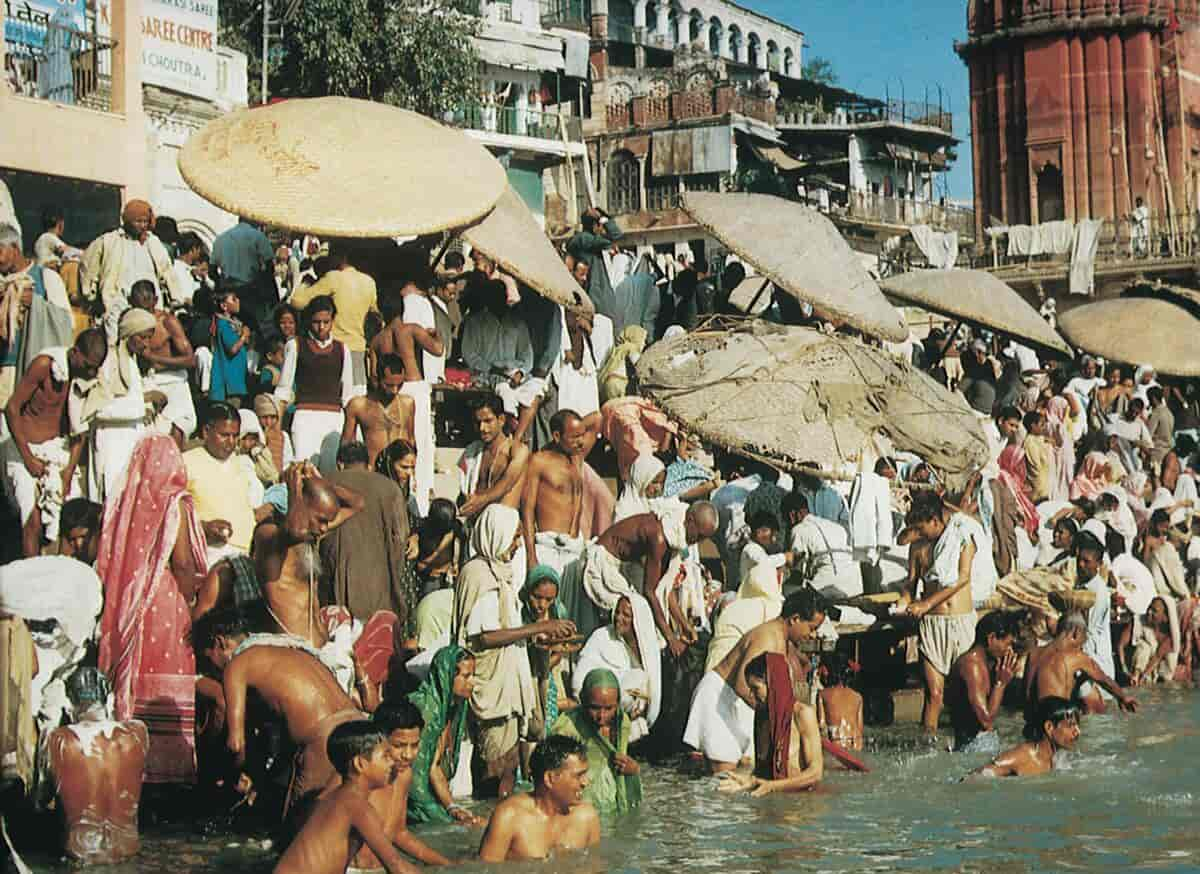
{"x": 151, "y": 562}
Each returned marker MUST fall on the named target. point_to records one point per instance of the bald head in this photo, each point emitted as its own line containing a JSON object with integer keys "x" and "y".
{"x": 702, "y": 521}
{"x": 323, "y": 505}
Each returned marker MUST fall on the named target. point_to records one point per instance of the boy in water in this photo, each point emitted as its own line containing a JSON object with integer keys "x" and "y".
{"x": 344, "y": 820}
{"x": 1057, "y": 729}
{"x": 840, "y": 708}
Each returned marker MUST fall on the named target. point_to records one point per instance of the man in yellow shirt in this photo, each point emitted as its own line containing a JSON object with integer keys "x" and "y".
{"x": 1039, "y": 458}
{"x": 227, "y": 493}
{"x": 354, "y": 295}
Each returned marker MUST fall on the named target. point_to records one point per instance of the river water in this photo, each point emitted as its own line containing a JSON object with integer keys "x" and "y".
{"x": 1124, "y": 800}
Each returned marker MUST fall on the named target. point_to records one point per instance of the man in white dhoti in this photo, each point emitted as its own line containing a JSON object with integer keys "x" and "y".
{"x": 167, "y": 362}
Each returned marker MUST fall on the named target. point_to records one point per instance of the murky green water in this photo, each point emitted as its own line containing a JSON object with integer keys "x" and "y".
{"x": 1126, "y": 800}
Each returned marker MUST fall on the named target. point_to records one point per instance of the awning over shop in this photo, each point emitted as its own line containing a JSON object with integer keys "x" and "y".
{"x": 777, "y": 156}
{"x": 515, "y": 48}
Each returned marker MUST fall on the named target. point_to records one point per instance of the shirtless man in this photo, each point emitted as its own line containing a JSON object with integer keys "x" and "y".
{"x": 1061, "y": 667}
{"x": 345, "y": 820}
{"x": 552, "y": 501}
{"x": 493, "y": 467}
{"x": 39, "y": 428}
{"x": 1057, "y": 729}
{"x": 383, "y": 414}
{"x": 946, "y": 610}
{"x": 554, "y": 816}
{"x": 402, "y": 339}
{"x": 643, "y": 539}
{"x": 285, "y": 554}
{"x": 401, "y": 723}
{"x": 96, "y": 768}
{"x": 292, "y": 681}
{"x": 840, "y": 708}
{"x": 721, "y": 722}
{"x": 805, "y": 759}
{"x": 166, "y": 361}
{"x": 980, "y": 676}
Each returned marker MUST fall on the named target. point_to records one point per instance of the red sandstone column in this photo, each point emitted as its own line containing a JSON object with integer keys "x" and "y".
{"x": 1018, "y": 155}
{"x": 1078, "y": 175}
{"x": 1138, "y": 115}
{"x": 1000, "y": 65}
{"x": 1099, "y": 116}
{"x": 1119, "y": 138}
{"x": 977, "y": 146}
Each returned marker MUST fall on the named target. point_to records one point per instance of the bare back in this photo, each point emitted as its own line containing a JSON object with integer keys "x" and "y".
{"x": 397, "y": 339}
{"x": 98, "y": 769}
{"x": 768, "y": 637}
{"x": 843, "y": 711}
{"x": 292, "y": 683}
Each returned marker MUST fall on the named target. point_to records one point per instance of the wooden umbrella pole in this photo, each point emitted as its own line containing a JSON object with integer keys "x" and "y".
{"x": 949, "y": 342}
{"x": 442, "y": 251}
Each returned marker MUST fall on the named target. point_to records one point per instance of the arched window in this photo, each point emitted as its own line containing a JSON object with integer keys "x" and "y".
{"x": 624, "y": 184}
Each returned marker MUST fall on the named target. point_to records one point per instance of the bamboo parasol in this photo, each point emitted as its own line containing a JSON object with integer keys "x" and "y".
{"x": 803, "y": 253}
{"x": 1137, "y": 330}
{"x": 795, "y": 395}
{"x": 342, "y": 167}
{"x": 976, "y": 297}
{"x": 511, "y": 237}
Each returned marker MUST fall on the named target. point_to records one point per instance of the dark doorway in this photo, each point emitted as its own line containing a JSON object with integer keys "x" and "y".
{"x": 1051, "y": 207}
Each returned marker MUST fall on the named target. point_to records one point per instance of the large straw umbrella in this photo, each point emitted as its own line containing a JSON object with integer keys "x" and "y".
{"x": 977, "y": 298}
{"x": 803, "y": 253}
{"x": 1138, "y": 331}
{"x": 511, "y": 237}
{"x": 341, "y": 167}
{"x": 795, "y": 395}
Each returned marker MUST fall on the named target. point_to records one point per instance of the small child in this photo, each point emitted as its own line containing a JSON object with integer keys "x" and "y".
{"x": 272, "y": 368}
{"x": 344, "y": 820}
{"x": 840, "y": 708}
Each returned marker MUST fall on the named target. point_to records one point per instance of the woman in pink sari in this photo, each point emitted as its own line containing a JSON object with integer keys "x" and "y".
{"x": 1058, "y": 420}
{"x": 151, "y": 562}
{"x": 1013, "y": 475}
{"x": 1092, "y": 478}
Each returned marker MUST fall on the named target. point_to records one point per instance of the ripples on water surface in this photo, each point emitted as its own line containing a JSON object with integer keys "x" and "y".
{"x": 1124, "y": 801}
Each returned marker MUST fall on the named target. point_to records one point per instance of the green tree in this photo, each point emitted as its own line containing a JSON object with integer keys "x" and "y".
{"x": 820, "y": 70}
{"x": 411, "y": 53}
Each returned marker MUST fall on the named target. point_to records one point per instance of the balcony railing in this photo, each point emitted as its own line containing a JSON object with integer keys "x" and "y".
{"x": 52, "y": 61}
{"x": 646, "y": 111}
{"x": 1162, "y": 237}
{"x": 513, "y": 121}
{"x": 902, "y": 211}
{"x": 898, "y": 111}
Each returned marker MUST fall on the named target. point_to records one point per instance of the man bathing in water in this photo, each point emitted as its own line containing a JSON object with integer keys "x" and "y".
{"x": 292, "y": 681}
{"x": 285, "y": 556}
{"x": 384, "y": 414}
{"x": 344, "y": 820}
{"x": 787, "y": 738}
{"x": 554, "y": 816}
{"x": 1057, "y": 728}
{"x": 980, "y": 676}
{"x": 96, "y": 768}
{"x": 1060, "y": 668}
{"x": 721, "y": 722}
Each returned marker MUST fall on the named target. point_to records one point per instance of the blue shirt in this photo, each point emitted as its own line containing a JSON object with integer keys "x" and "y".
{"x": 228, "y": 371}
{"x": 242, "y": 252}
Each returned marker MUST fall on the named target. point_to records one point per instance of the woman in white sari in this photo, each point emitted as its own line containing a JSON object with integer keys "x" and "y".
{"x": 618, "y": 647}
{"x": 647, "y": 475}
{"x": 759, "y": 600}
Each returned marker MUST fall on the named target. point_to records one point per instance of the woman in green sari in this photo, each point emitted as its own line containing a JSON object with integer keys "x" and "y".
{"x": 539, "y": 602}
{"x": 442, "y": 700}
{"x": 615, "y": 784}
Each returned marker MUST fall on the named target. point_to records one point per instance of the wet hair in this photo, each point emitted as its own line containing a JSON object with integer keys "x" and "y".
{"x": 793, "y": 502}
{"x": 392, "y": 364}
{"x": 1008, "y": 412}
{"x": 1087, "y": 542}
{"x": 322, "y": 303}
{"x": 1032, "y": 419}
{"x": 756, "y": 667}
{"x": 926, "y": 507}
{"x": 763, "y": 519}
{"x": 837, "y": 669}
{"x": 488, "y": 402}
{"x": 80, "y": 513}
{"x": 441, "y": 519}
{"x": 560, "y": 420}
{"x": 227, "y": 622}
{"x": 393, "y": 452}
{"x": 354, "y": 452}
{"x": 92, "y": 343}
{"x": 999, "y": 623}
{"x": 551, "y": 754}
{"x": 351, "y": 739}
{"x": 219, "y": 411}
{"x": 806, "y": 604}
{"x": 398, "y": 715}
{"x": 1053, "y": 710}
{"x": 144, "y": 286}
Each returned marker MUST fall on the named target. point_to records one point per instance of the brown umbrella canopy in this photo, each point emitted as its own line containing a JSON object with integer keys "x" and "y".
{"x": 1137, "y": 331}
{"x": 803, "y": 253}
{"x": 512, "y": 238}
{"x": 796, "y": 395}
{"x": 977, "y": 297}
{"x": 341, "y": 167}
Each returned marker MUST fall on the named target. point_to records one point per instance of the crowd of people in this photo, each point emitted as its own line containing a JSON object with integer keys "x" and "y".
{"x": 240, "y": 567}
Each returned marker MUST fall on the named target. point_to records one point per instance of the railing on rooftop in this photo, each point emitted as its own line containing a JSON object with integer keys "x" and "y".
{"x": 902, "y": 211}
{"x": 50, "y": 60}
{"x": 897, "y": 111}
{"x": 513, "y": 121}
{"x": 646, "y": 111}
